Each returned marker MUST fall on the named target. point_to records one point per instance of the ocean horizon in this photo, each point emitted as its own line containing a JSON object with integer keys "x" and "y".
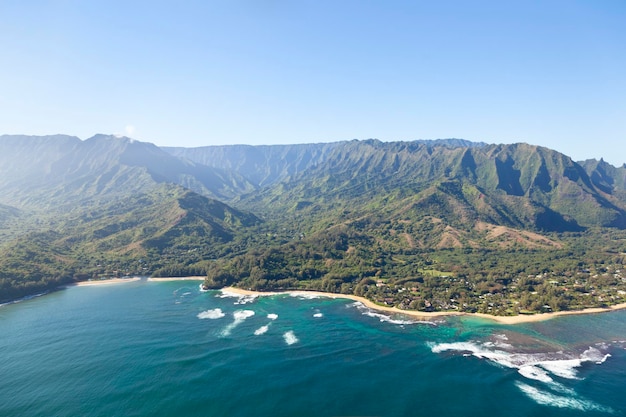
{"x": 168, "y": 348}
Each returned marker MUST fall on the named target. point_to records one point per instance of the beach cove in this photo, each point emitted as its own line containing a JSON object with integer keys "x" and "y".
{"x": 519, "y": 319}
{"x": 421, "y": 315}
{"x": 162, "y": 348}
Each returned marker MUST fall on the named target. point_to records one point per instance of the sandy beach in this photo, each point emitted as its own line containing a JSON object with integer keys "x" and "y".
{"x": 425, "y": 315}
{"x": 421, "y": 315}
{"x": 106, "y": 281}
{"x": 162, "y": 279}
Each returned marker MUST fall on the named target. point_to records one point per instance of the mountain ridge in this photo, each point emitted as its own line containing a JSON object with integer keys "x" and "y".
{"x": 331, "y": 216}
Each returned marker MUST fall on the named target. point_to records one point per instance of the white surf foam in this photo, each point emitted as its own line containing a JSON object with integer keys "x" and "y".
{"x": 318, "y": 315}
{"x": 211, "y": 314}
{"x": 202, "y": 289}
{"x": 304, "y": 295}
{"x": 290, "y": 338}
{"x": 240, "y": 316}
{"x": 565, "y": 368}
{"x": 500, "y": 341}
{"x": 383, "y": 318}
{"x": 386, "y": 319}
{"x": 261, "y": 330}
{"x": 26, "y": 298}
{"x": 241, "y": 298}
{"x": 594, "y": 355}
{"x": 264, "y": 329}
{"x": 243, "y": 314}
{"x": 538, "y": 367}
{"x": 246, "y": 299}
{"x": 503, "y": 358}
{"x": 228, "y": 294}
{"x": 529, "y": 365}
{"x": 551, "y": 399}
{"x": 534, "y": 372}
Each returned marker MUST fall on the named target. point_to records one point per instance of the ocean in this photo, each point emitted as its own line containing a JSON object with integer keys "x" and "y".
{"x": 169, "y": 349}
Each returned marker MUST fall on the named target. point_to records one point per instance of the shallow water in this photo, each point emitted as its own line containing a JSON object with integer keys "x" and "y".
{"x": 166, "y": 348}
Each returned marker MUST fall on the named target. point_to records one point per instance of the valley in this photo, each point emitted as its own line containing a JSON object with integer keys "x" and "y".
{"x": 445, "y": 225}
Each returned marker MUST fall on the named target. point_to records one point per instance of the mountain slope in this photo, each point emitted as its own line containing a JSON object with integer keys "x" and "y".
{"x": 519, "y": 186}
{"x": 365, "y": 217}
{"x": 57, "y": 170}
{"x": 164, "y": 227}
{"x": 606, "y": 177}
{"x": 267, "y": 165}
{"x": 261, "y": 165}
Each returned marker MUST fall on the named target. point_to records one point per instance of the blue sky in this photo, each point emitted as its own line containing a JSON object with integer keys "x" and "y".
{"x": 549, "y": 73}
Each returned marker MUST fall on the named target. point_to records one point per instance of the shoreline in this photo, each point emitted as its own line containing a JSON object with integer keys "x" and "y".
{"x": 103, "y": 282}
{"x": 133, "y": 279}
{"x": 164, "y": 279}
{"x": 422, "y": 315}
{"x": 519, "y": 319}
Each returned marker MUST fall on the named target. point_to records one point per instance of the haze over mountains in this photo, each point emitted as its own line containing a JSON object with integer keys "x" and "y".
{"x": 72, "y": 205}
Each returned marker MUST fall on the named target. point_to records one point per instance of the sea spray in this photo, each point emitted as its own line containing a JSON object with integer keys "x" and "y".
{"x": 240, "y": 316}
{"x": 537, "y": 367}
{"x": 263, "y": 329}
{"x": 383, "y": 318}
{"x": 347, "y": 363}
{"x": 290, "y": 337}
{"x": 553, "y": 400}
{"x": 216, "y": 313}
{"x": 304, "y": 295}
{"x": 558, "y": 363}
{"x": 240, "y": 298}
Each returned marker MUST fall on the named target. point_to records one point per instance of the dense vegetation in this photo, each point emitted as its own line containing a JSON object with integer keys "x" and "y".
{"x": 446, "y": 225}
{"x": 583, "y": 273}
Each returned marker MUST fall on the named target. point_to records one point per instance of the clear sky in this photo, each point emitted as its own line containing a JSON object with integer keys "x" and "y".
{"x": 193, "y": 73}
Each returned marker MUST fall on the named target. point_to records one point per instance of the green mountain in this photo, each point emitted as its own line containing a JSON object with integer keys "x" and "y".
{"x": 420, "y": 224}
{"x": 165, "y": 229}
{"x": 261, "y": 165}
{"x": 515, "y": 185}
{"x": 519, "y": 185}
{"x": 57, "y": 171}
{"x": 67, "y": 205}
{"x": 409, "y": 223}
{"x": 606, "y": 177}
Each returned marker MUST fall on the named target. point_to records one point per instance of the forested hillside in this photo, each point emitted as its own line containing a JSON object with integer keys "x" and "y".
{"x": 429, "y": 225}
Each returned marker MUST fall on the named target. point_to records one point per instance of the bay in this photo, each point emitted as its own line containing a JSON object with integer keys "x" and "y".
{"x": 168, "y": 349}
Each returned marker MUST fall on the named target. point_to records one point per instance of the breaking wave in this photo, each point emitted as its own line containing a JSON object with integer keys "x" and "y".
{"x": 290, "y": 338}
{"x": 19, "y": 300}
{"x": 185, "y": 294}
{"x": 264, "y": 329}
{"x": 240, "y": 316}
{"x": 243, "y": 314}
{"x": 241, "y": 298}
{"x": 261, "y": 330}
{"x": 211, "y": 314}
{"x": 246, "y": 299}
{"x": 385, "y": 318}
{"x": 304, "y": 295}
{"x": 541, "y": 367}
{"x": 536, "y": 366}
{"x": 554, "y": 400}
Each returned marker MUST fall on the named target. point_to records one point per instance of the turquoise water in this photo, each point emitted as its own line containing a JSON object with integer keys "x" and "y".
{"x": 168, "y": 349}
